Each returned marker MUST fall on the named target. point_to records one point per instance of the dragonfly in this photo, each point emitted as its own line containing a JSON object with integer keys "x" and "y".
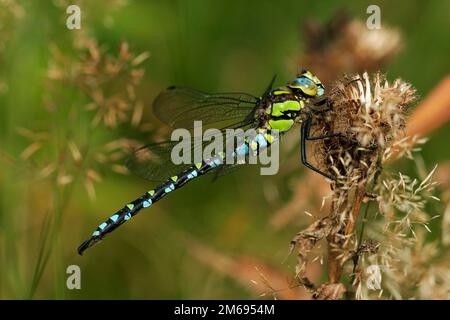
{"x": 276, "y": 109}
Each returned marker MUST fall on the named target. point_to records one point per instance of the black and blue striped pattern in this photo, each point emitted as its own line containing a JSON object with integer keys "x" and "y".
{"x": 260, "y": 142}
{"x": 144, "y": 201}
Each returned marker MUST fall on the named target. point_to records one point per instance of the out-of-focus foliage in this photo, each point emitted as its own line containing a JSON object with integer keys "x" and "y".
{"x": 73, "y": 102}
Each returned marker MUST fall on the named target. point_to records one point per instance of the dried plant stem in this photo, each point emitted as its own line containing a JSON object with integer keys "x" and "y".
{"x": 334, "y": 257}
{"x": 363, "y": 221}
{"x": 334, "y": 268}
{"x": 360, "y": 193}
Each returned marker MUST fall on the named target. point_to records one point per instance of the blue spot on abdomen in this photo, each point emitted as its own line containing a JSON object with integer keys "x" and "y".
{"x": 169, "y": 188}
{"x": 147, "y": 203}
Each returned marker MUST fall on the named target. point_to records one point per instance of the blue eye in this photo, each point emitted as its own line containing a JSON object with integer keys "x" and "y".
{"x": 302, "y": 81}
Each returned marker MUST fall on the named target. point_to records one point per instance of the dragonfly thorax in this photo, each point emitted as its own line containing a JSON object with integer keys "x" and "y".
{"x": 283, "y": 109}
{"x": 286, "y": 104}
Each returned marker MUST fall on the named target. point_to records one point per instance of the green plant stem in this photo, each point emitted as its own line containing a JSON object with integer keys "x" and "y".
{"x": 53, "y": 228}
{"x": 50, "y": 231}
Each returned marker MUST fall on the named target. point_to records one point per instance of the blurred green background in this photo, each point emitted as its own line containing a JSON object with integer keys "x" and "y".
{"x": 210, "y": 45}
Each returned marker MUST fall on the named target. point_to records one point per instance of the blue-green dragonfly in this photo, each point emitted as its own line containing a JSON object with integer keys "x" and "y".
{"x": 277, "y": 109}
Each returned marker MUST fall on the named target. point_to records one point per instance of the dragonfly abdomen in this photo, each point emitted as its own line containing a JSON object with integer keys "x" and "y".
{"x": 149, "y": 198}
{"x": 260, "y": 142}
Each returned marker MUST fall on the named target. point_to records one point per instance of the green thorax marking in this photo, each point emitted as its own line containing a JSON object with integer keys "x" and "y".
{"x": 281, "y": 108}
{"x": 281, "y": 125}
{"x": 284, "y": 105}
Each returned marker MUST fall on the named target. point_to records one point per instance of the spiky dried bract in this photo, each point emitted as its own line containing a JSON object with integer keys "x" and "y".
{"x": 372, "y": 111}
{"x": 370, "y": 114}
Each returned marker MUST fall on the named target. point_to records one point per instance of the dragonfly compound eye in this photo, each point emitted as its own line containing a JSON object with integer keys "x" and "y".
{"x": 306, "y": 85}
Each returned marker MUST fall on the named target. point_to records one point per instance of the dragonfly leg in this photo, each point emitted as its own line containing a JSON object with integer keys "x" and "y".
{"x": 322, "y": 105}
{"x": 269, "y": 87}
{"x": 353, "y": 80}
{"x": 305, "y": 136}
{"x": 307, "y": 132}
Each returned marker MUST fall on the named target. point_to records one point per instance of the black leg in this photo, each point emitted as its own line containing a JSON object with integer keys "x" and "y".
{"x": 307, "y": 127}
{"x": 305, "y": 131}
{"x": 269, "y": 88}
{"x": 322, "y": 105}
{"x": 354, "y": 80}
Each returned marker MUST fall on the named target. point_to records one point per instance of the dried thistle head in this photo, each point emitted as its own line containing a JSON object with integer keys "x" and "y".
{"x": 345, "y": 45}
{"x": 371, "y": 114}
{"x": 372, "y": 48}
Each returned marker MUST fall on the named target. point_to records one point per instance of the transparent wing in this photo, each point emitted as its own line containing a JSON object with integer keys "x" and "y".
{"x": 179, "y": 107}
{"x": 154, "y": 161}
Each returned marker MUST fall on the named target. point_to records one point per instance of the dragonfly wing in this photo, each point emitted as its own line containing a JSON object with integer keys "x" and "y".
{"x": 179, "y": 107}
{"x": 154, "y": 161}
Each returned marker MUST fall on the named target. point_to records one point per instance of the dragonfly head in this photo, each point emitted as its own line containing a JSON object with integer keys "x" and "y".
{"x": 308, "y": 84}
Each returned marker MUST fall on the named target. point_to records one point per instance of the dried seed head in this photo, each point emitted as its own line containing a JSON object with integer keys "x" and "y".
{"x": 371, "y": 114}
{"x": 109, "y": 81}
{"x": 345, "y": 45}
{"x": 371, "y": 110}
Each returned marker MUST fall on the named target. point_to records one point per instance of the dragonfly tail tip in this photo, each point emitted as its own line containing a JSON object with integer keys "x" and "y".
{"x": 86, "y": 244}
